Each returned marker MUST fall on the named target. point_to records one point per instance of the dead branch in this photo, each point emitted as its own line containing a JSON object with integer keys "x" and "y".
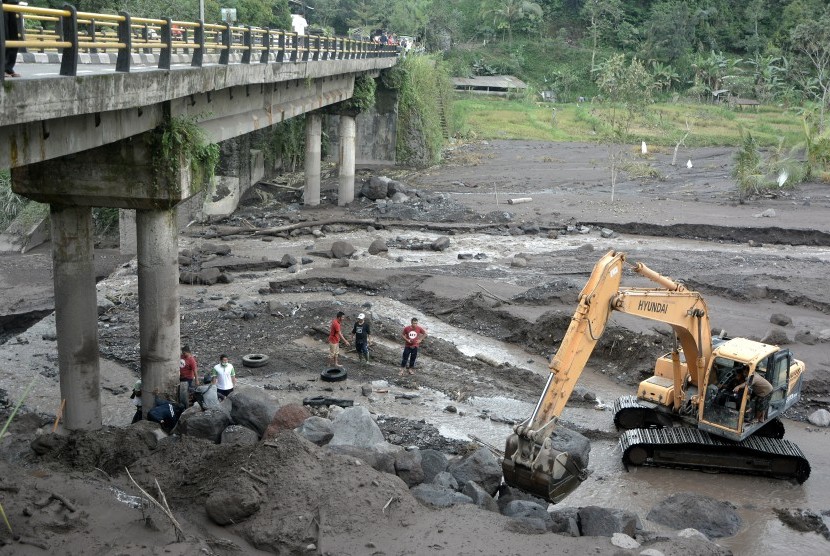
{"x": 677, "y": 146}
{"x": 254, "y": 475}
{"x": 166, "y": 511}
{"x": 494, "y": 295}
{"x": 393, "y": 498}
{"x": 69, "y": 505}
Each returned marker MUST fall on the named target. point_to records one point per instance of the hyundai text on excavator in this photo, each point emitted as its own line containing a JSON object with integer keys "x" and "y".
{"x": 688, "y": 414}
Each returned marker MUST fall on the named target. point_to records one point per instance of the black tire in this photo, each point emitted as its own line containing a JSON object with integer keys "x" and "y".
{"x": 335, "y": 374}
{"x": 255, "y": 360}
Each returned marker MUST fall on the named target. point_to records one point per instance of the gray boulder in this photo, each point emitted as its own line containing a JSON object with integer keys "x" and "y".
{"x": 479, "y": 497}
{"x": 203, "y": 424}
{"x": 565, "y": 521}
{"x": 436, "y": 496}
{"x": 237, "y": 435}
{"x": 577, "y": 446}
{"x": 440, "y": 244}
{"x": 820, "y": 418}
{"x": 288, "y": 260}
{"x": 342, "y": 250}
{"x": 518, "y": 262}
{"x": 780, "y": 319}
{"x": 378, "y": 246}
{"x": 252, "y": 408}
{"x": 317, "y": 430}
{"x": 445, "y": 479}
{"x": 604, "y": 522}
{"x": 232, "y": 505}
{"x": 507, "y": 495}
{"x": 398, "y": 198}
{"x": 527, "y": 525}
{"x": 433, "y": 462}
{"x": 214, "y": 249}
{"x": 525, "y": 509}
{"x": 711, "y": 517}
{"x": 395, "y": 186}
{"x": 408, "y": 467}
{"x": 776, "y": 337}
{"x": 354, "y": 426}
{"x": 481, "y": 466}
{"x": 378, "y": 457}
{"x": 806, "y": 337}
{"x": 376, "y": 188}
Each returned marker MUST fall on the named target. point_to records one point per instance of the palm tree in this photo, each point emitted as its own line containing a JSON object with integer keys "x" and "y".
{"x": 506, "y": 13}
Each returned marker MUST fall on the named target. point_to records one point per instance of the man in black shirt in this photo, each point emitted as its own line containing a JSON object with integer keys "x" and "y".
{"x": 361, "y": 334}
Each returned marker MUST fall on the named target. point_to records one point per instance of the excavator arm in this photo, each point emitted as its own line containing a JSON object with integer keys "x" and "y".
{"x": 531, "y": 462}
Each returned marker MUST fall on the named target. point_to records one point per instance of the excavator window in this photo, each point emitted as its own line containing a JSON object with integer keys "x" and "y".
{"x": 722, "y": 405}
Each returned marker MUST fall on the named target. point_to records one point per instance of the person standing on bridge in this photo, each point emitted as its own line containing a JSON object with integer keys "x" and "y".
{"x": 10, "y": 22}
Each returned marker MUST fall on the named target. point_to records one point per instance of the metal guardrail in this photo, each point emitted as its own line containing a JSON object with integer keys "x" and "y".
{"x": 77, "y": 31}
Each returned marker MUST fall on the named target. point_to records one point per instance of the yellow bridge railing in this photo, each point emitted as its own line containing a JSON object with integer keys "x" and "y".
{"x": 74, "y": 32}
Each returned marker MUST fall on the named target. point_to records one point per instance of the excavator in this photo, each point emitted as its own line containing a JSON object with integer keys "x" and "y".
{"x": 697, "y": 411}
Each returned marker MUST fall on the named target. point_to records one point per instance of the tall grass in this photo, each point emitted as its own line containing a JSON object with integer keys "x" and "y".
{"x": 10, "y": 202}
{"x": 3, "y": 433}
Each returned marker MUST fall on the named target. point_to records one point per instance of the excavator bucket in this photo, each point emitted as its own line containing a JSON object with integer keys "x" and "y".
{"x": 540, "y": 469}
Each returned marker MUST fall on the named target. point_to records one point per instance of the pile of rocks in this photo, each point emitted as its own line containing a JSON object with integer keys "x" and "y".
{"x": 191, "y": 261}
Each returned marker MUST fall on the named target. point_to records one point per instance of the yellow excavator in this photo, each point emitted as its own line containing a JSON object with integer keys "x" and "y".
{"x": 698, "y": 410}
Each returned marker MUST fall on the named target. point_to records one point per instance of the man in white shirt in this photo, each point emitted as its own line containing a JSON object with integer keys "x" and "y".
{"x": 224, "y": 376}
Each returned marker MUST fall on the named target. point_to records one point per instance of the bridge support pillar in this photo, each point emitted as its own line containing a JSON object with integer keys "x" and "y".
{"x": 76, "y": 316}
{"x": 158, "y": 302}
{"x": 313, "y": 132}
{"x": 345, "y": 191}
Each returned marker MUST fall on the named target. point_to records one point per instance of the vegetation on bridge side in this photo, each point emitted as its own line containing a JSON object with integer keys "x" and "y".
{"x": 181, "y": 139}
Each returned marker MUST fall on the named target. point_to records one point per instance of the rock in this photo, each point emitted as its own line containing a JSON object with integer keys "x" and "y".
{"x": 317, "y": 430}
{"x": 769, "y": 213}
{"x": 776, "y": 337}
{"x": 518, "y": 262}
{"x": 433, "y": 462}
{"x": 527, "y": 525}
{"x": 376, "y": 188}
{"x": 206, "y": 277}
{"x": 530, "y": 228}
{"x": 226, "y": 506}
{"x": 507, "y": 495}
{"x": 711, "y": 517}
{"x": 287, "y": 418}
{"x": 651, "y": 552}
{"x": 252, "y": 408}
{"x": 824, "y": 335}
{"x": 238, "y": 436}
{"x": 758, "y": 291}
{"x": 380, "y": 456}
{"x": 203, "y": 424}
{"x": 395, "y": 186}
{"x": 820, "y": 418}
{"x": 524, "y": 508}
{"x": 780, "y": 320}
{"x": 213, "y": 249}
{"x": 408, "y": 467}
{"x": 691, "y": 533}
{"x": 440, "y": 244}
{"x": 465, "y": 256}
{"x": 366, "y": 390}
{"x": 398, "y": 198}
{"x": 104, "y": 305}
{"x": 606, "y": 233}
{"x": 577, "y": 446}
{"x": 622, "y": 540}
{"x": 342, "y": 250}
{"x": 288, "y": 261}
{"x": 436, "y": 496}
{"x": 445, "y": 479}
{"x": 564, "y": 521}
{"x": 451, "y": 409}
{"x": 595, "y": 521}
{"x": 306, "y": 260}
{"x": 354, "y": 426}
{"x": 480, "y": 466}
{"x": 340, "y": 263}
{"x": 806, "y": 337}
{"x": 378, "y": 246}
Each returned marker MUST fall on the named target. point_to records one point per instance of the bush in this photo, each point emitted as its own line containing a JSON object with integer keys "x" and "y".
{"x": 10, "y": 202}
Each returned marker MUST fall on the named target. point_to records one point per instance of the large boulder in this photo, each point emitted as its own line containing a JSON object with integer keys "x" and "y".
{"x": 565, "y": 521}
{"x": 577, "y": 446}
{"x": 380, "y": 457}
{"x": 776, "y": 337}
{"x": 237, "y": 435}
{"x": 227, "y": 506}
{"x": 378, "y": 246}
{"x": 376, "y": 188}
{"x": 342, "y": 250}
{"x": 287, "y": 418}
{"x": 203, "y": 424}
{"x": 317, "y": 430}
{"x": 252, "y": 408}
{"x": 479, "y": 497}
{"x": 519, "y": 509}
{"x": 780, "y": 319}
{"x": 433, "y": 462}
{"x": 445, "y": 479}
{"x": 711, "y": 517}
{"x": 507, "y": 495}
{"x": 604, "y": 522}
{"x": 436, "y": 496}
{"x": 820, "y": 418}
{"x": 354, "y": 426}
{"x": 408, "y": 467}
{"x": 481, "y": 466}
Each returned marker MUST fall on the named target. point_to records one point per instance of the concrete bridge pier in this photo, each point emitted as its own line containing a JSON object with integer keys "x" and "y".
{"x": 158, "y": 302}
{"x": 345, "y": 191}
{"x": 76, "y": 316}
{"x": 313, "y": 151}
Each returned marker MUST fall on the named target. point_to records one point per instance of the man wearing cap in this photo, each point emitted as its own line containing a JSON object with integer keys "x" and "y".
{"x": 361, "y": 333}
{"x": 335, "y": 335}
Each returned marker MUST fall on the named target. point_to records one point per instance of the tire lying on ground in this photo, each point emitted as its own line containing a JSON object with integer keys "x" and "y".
{"x": 254, "y": 360}
{"x": 334, "y": 375}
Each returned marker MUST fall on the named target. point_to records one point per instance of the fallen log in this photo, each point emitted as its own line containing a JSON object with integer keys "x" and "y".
{"x": 519, "y": 200}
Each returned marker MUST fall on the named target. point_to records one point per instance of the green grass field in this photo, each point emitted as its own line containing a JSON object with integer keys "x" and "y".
{"x": 662, "y": 124}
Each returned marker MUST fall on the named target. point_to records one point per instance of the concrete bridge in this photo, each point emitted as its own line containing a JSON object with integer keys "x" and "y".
{"x": 83, "y": 141}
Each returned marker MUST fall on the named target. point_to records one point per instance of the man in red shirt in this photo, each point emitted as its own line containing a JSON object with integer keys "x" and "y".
{"x": 335, "y": 335}
{"x": 412, "y": 337}
{"x": 188, "y": 368}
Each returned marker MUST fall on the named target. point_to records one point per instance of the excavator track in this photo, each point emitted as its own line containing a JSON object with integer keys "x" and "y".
{"x": 629, "y": 414}
{"x": 688, "y": 448}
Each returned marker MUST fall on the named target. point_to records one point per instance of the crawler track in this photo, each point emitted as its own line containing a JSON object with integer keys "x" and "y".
{"x": 689, "y": 448}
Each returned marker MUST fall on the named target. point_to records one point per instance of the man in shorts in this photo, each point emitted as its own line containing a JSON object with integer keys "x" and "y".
{"x": 335, "y": 337}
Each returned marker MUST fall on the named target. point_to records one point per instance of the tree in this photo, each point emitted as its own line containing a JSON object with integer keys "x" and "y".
{"x": 627, "y": 90}
{"x": 508, "y": 13}
{"x": 602, "y": 16}
{"x": 812, "y": 39}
